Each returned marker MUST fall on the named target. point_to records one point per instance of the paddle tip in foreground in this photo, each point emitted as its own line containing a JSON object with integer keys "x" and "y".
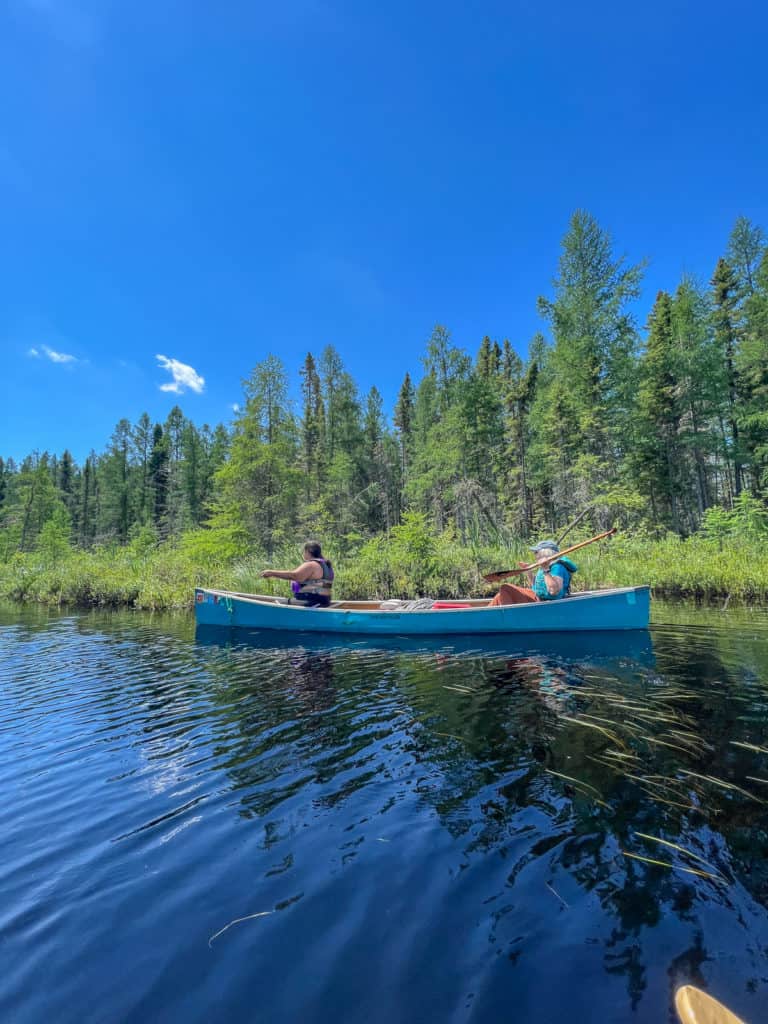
{"x": 696, "y": 1007}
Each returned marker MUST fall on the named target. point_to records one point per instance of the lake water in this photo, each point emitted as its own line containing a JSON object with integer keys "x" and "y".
{"x": 218, "y": 829}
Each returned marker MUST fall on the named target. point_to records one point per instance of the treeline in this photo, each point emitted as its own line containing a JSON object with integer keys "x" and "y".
{"x": 157, "y": 477}
{"x": 665, "y": 429}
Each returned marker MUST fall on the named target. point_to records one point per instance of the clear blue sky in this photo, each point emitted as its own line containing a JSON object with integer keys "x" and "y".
{"x": 211, "y": 182}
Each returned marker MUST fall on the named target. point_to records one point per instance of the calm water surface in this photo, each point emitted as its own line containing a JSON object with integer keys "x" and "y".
{"x": 209, "y": 828}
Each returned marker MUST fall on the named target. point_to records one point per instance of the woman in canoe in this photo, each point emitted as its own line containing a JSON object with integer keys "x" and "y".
{"x": 311, "y": 582}
{"x": 551, "y": 583}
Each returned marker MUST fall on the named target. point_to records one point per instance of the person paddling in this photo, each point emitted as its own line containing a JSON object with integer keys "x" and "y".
{"x": 552, "y": 582}
{"x": 311, "y": 582}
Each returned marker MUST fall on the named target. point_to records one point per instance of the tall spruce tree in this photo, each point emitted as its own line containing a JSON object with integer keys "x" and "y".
{"x": 115, "y": 485}
{"x": 727, "y": 325}
{"x": 404, "y": 425}
{"x": 584, "y": 407}
{"x": 259, "y": 485}
{"x": 89, "y": 509}
{"x": 657, "y": 451}
{"x": 141, "y": 440}
{"x": 745, "y": 251}
{"x": 752, "y": 364}
{"x": 312, "y": 429}
{"x": 700, "y": 378}
{"x": 159, "y": 459}
{"x": 518, "y": 388}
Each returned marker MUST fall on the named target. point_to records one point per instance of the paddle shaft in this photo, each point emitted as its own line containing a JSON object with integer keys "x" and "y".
{"x": 573, "y": 524}
{"x": 494, "y": 577}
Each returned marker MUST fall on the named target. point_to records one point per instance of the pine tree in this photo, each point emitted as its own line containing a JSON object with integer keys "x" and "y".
{"x": 725, "y": 297}
{"x": 584, "y": 408}
{"x": 36, "y": 500}
{"x": 158, "y": 480}
{"x": 192, "y": 476}
{"x": 56, "y": 535}
{"x": 658, "y": 410}
{"x": 141, "y": 441}
{"x": 449, "y": 365}
{"x": 260, "y": 483}
{"x": 88, "y": 504}
{"x": 481, "y": 426}
{"x": 745, "y": 251}
{"x": 331, "y": 371}
{"x": 312, "y": 429}
{"x": 66, "y": 471}
{"x": 752, "y": 365}
{"x": 518, "y": 389}
{"x": 176, "y": 511}
{"x": 404, "y": 416}
{"x": 488, "y": 359}
{"x": 381, "y": 496}
{"x": 115, "y": 484}
{"x": 700, "y": 386}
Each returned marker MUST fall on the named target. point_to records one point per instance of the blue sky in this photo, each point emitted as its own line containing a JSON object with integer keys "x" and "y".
{"x": 212, "y": 182}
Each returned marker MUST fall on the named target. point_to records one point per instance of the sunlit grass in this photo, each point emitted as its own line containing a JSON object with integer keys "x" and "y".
{"x": 409, "y": 566}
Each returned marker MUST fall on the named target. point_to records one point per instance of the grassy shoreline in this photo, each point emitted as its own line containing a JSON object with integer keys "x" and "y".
{"x": 163, "y": 577}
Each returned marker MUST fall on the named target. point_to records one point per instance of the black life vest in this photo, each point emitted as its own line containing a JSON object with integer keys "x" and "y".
{"x": 321, "y": 587}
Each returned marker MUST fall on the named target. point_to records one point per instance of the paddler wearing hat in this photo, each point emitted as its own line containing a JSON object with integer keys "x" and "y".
{"x": 552, "y": 581}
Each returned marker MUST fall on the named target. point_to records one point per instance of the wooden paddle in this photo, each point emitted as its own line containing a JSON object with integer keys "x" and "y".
{"x": 574, "y": 523}
{"x": 696, "y": 1007}
{"x": 494, "y": 577}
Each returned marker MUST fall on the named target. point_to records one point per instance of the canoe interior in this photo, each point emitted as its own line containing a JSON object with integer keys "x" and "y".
{"x": 350, "y": 606}
{"x": 375, "y": 606}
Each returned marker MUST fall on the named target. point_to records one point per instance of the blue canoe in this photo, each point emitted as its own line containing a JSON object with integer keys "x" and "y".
{"x": 621, "y": 608}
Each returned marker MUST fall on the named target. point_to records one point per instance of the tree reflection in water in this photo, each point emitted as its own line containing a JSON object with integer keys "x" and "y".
{"x": 555, "y": 755}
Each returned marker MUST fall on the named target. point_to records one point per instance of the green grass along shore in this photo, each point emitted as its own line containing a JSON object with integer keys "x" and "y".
{"x": 146, "y": 575}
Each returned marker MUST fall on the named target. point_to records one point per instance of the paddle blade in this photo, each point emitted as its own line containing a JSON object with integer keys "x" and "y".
{"x": 696, "y": 1007}
{"x": 494, "y": 577}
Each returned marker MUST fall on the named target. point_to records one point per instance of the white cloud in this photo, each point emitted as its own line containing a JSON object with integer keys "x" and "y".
{"x": 58, "y": 357}
{"x": 52, "y": 354}
{"x": 183, "y": 376}
{"x": 235, "y": 407}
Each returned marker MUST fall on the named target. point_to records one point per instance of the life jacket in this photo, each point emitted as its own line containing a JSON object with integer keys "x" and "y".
{"x": 540, "y": 587}
{"x": 321, "y": 587}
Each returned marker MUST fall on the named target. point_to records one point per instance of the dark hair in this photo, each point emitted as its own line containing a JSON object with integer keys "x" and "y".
{"x": 312, "y": 548}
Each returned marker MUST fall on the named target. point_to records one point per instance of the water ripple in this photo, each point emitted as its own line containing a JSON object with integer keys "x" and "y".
{"x": 398, "y": 831}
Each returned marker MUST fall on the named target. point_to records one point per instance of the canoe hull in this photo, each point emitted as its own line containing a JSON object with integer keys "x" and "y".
{"x": 620, "y": 609}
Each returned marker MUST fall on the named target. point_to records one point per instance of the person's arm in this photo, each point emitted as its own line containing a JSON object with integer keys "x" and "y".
{"x": 552, "y": 581}
{"x": 303, "y": 572}
{"x": 530, "y": 576}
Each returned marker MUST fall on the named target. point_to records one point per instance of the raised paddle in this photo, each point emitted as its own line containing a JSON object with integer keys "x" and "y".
{"x": 494, "y": 577}
{"x": 572, "y": 525}
{"x": 696, "y": 1007}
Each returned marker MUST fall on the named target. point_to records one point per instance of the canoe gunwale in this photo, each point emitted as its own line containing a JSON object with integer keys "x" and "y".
{"x": 364, "y": 607}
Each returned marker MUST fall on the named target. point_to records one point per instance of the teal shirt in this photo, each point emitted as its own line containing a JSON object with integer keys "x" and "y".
{"x": 540, "y": 586}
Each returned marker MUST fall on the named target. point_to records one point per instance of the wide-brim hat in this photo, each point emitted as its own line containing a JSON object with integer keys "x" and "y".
{"x": 546, "y": 544}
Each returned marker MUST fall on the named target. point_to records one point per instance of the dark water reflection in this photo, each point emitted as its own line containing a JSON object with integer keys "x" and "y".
{"x": 428, "y": 832}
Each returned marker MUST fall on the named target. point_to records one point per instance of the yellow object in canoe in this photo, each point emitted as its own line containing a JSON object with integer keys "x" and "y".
{"x": 696, "y": 1007}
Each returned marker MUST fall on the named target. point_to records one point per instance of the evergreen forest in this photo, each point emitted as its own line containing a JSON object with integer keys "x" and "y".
{"x": 658, "y": 425}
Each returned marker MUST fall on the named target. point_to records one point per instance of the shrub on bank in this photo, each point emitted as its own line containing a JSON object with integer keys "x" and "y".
{"x": 412, "y": 562}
